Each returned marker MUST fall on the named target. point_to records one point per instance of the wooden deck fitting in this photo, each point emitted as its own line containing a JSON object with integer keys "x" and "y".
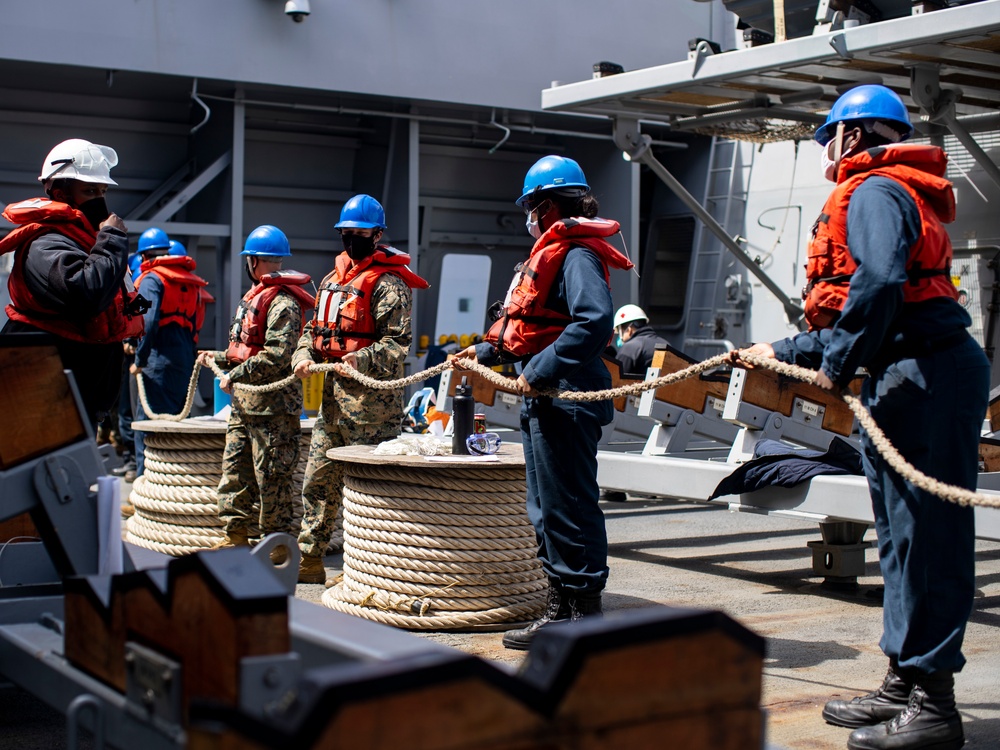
{"x": 777, "y": 393}
{"x": 207, "y": 611}
{"x": 34, "y": 384}
{"x": 615, "y": 369}
{"x": 657, "y": 677}
{"x": 483, "y": 391}
{"x": 993, "y": 410}
{"x": 692, "y": 392}
{"x": 989, "y": 454}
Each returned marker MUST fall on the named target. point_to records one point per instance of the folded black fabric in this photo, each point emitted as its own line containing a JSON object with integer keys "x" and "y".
{"x": 776, "y": 465}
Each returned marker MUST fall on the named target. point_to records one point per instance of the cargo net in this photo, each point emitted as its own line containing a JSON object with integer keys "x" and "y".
{"x": 759, "y": 130}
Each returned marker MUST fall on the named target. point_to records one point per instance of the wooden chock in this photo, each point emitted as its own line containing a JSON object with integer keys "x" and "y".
{"x": 40, "y": 411}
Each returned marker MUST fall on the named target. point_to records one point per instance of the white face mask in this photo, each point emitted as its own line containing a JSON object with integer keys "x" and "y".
{"x": 828, "y": 165}
{"x": 532, "y": 226}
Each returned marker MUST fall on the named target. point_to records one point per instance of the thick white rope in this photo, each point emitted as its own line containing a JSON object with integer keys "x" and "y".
{"x": 424, "y": 563}
{"x": 188, "y": 400}
{"x": 951, "y": 493}
{"x": 176, "y": 503}
{"x": 886, "y": 449}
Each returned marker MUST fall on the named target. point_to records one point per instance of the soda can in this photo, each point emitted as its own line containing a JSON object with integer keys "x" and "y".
{"x": 478, "y": 424}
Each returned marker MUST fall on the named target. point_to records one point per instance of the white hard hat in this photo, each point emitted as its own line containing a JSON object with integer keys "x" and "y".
{"x": 629, "y": 314}
{"x": 77, "y": 159}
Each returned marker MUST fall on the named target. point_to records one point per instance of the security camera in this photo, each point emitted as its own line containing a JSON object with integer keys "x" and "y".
{"x": 297, "y": 9}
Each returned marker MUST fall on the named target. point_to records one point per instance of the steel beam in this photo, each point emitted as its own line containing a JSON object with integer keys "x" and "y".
{"x": 821, "y": 499}
{"x": 637, "y": 147}
{"x": 194, "y": 187}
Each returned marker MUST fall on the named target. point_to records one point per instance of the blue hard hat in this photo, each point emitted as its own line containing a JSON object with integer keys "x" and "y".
{"x": 176, "y": 248}
{"x": 361, "y": 212}
{"x": 267, "y": 240}
{"x": 868, "y": 102}
{"x": 153, "y": 239}
{"x": 134, "y": 261}
{"x": 553, "y": 173}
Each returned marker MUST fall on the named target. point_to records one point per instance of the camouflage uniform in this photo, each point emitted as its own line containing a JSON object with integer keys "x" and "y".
{"x": 262, "y": 441}
{"x": 352, "y": 414}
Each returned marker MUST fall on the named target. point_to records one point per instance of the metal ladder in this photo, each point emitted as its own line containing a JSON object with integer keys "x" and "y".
{"x": 725, "y": 199}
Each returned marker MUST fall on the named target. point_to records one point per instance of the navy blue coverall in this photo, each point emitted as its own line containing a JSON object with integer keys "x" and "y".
{"x": 560, "y": 437}
{"x": 928, "y": 390}
{"x": 166, "y": 355}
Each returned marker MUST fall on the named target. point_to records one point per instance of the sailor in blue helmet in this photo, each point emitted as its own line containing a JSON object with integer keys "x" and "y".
{"x": 263, "y": 434}
{"x": 555, "y": 324}
{"x": 165, "y": 354}
{"x": 880, "y": 296}
{"x": 361, "y": 322}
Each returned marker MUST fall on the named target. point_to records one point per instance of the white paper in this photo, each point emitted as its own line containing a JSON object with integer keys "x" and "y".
{"x": 109, "y": 526}
{"x": 464, "y": 459}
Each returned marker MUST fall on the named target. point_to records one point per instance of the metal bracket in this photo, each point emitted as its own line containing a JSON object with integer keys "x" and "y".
{"x": 677, "y": 426}
{"x": 288, "y": 571}
{"x": 839, "y": 44}
{"x": 269, "y": 683}
{"x": 59, "y": 477}
{"x": 628, "y": 137}
{"x": 62, "y": 483}
{"x": 701, "y": 51}
{"x": 73, "y": 721}
{"x": 152, "y": 683}
{"x": 840, "y": 557}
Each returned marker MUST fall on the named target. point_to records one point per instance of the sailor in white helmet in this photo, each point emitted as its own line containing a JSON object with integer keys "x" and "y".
{"x": 637, "y": 341}
{"x": 69, "y": 273}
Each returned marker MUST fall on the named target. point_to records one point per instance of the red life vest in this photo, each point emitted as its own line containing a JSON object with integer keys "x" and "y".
{"x": 249, "y": 329}
{"x": 527, "y": 326}
{"x": 40, "y": 216}
{"x": 919, "y": 169}
{"x": 343, "y": 320}
{"x": 184, "y": 295}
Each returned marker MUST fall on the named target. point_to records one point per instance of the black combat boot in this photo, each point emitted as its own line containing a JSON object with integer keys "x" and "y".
{"x": 563, "y": 606}
{"x": 930, "y": 720}
{"x": 556, "y": 610}
{"x": 890, "y": 699}
{"x": 584, "y": 604}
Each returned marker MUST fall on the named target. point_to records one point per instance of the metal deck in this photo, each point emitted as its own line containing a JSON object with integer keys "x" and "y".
{"x": 799, "y": 79}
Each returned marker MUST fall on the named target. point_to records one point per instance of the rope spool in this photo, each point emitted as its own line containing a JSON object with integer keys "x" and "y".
{"x": 433, "y": 546}
{"x": 176, "y": 504}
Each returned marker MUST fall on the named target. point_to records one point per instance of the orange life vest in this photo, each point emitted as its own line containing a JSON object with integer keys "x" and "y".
{"x": 184, "y": 294}
{"x": 919, "y": 169}
{"x": 40, "y": 216}
{"x": 526, "y": 325}
{"x": 343, "y": 320}
{"x": 249, "y": 329}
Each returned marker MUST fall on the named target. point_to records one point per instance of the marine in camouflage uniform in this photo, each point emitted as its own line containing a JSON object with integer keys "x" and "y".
{"x": 262, "y": 440}
{"x": 352, "y": 414}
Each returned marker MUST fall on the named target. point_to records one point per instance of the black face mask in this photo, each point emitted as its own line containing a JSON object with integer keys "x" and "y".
{"x": 249, "y": 271}
{"x": 96, "y": 211}
{"x": 357, "y": 247}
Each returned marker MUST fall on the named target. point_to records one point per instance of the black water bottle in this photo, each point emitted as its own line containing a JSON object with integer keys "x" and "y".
{"x": 463, "y": 410}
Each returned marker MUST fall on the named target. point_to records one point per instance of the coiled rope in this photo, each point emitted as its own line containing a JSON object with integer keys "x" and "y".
{"x": 438, "y": 548}
{"x": 900, "y": 465}
{"x": 176, "y": 504}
